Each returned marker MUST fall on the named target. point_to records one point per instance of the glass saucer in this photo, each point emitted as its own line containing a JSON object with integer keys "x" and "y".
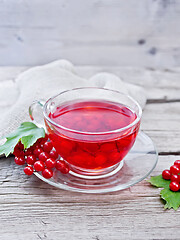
{"x": 137, "y": 165}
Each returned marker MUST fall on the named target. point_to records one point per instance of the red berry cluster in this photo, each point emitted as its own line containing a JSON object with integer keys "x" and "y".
{"x": 41, "y": 157}
{"x": 173, "y": 174}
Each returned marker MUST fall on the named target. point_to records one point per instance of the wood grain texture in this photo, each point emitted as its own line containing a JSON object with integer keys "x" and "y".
{"x": 96, "y": 32}
{"x": 32, "y": 209}
{"x": 159, "y": 84}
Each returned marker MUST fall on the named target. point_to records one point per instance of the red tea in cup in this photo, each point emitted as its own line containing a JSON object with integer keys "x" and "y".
{"x": 90, "y": 136}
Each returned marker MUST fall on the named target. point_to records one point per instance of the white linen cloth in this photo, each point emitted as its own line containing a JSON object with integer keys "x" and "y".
{"x": 42, "y": 82}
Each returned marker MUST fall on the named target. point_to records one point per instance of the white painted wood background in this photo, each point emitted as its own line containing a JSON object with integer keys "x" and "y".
{"x": 144, "y": 33}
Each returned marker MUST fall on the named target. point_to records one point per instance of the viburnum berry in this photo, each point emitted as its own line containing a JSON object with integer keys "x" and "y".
{"x": 100, "y": 159}
{"x": 62, "y": 166}
{"x": 37, "y": 145}
{"x": 18, "y": 150}
{"x": 175, "y": 178}
{"x": 174, "y": 186}
{"x": 53, "y": 154}
{"x": 28, "y": 170}
{"x": 37, "y": 152}
{"x": 20, "y": 146}
{"x": 43, "y": 156}
{"x": 47, "y": 147}
{"x": 50, "y": 163}
{"x": 41, "y": 141}
{"x": 31, "y": 159}
{"x": 39, "y": 166}
{"x": 46, "y": 137}
{"x": 47, "y": 173}
{"x": 19, "y": 160}
{"x": 166, "y": 174}
{"x": 28, "y": 152}
{"x": 177, "y": 162}
{"x": 174, "y": 169}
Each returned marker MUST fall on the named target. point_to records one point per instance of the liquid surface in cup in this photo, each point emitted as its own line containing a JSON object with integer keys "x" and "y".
{"x": 95, "y": 117}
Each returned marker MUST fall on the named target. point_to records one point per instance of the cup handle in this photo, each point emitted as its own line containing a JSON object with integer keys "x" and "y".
{"x": 36, "y": 112}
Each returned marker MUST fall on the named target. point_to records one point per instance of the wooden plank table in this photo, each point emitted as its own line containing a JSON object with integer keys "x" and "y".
{"x": 32, "y": 209}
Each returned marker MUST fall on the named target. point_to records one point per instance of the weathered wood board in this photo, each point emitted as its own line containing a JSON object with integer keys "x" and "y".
{"x": 32, "y": 209}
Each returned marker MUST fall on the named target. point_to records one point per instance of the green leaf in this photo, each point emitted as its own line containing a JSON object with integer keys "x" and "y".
{"x": 172, "y": 198}
{"x": 27, "y": 133}
{"x": 159, "y": 182}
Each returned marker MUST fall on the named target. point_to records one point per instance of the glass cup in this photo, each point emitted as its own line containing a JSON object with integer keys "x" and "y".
{"x": 89, "y": 154}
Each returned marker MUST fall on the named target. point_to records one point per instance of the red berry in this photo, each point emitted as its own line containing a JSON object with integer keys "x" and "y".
{"x": 62, "y": 166}
{"x": 18, "y": 152}
{"x": 166, "y": 174}
{"x": 175, "y": 178}
{"x": 28, "y": 170}
{"x": 53, "y": 154}
{"x": 177, "y": 162}
{"x": 41, "y": 140}
{"x": 100, "y": 159}
{"x": 20, "y": 146}
{"x": 39, "y": 166}
{"x": 19, "y": 160}
{"x": 31, "y": 159}
{"x": 28, "y": 152}
{"x": 31, "y": 149}
{"x": 66, "y": 146}
{"x": 43, "y": 156}
{"x": 46, "y": 137}
{"x": 47, "y": 173}
{"x": 47, "y": 147}
{"x": 37, "y": 151}
{"x": 174, "y": 169}
{"x": 37, "y": 145}
{"x": 174, "y": 186}
{"x": 107, "y": 147}
{"x": 50, "y": 163}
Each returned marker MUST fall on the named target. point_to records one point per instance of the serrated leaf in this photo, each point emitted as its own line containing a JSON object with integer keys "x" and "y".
{"x": 159, "y": 182}
{"x": 27, "y": 133}
{"x": 172, "y": 198}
